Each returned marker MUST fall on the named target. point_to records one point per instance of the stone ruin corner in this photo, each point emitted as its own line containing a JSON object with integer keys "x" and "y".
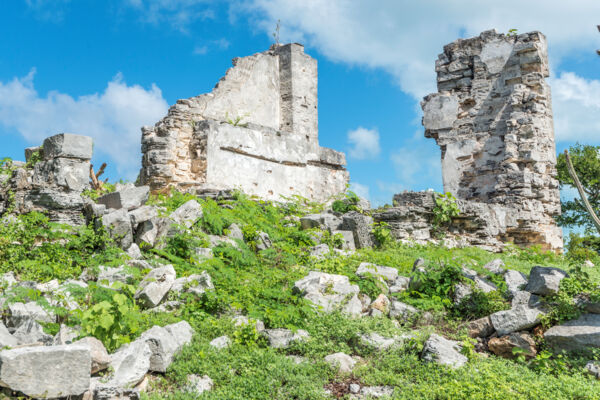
{"x": 492, "y": 118}
{"x": 257, "y": 131}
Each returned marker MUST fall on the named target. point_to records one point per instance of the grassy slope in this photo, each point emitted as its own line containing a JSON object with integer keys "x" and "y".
{"x": 259, "y": 285}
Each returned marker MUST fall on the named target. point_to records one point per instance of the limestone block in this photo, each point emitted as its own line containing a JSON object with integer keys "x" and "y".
{"x": 580, "y": 334}
{"x": 99, "y": 355}
{"x": 516, "y": 319}
{"x": 341, "y": 361}
{"x": 155, "y": 286}
{"x": 46, "y": 372}
{"x": 129, "y": 198}
{"x": 361, "y": 226}
{"x": 165, "y": 343}
{"x": 130, "y": 363}
{"x": 440, "y": 112}
{"x": 388, "y": 273}
{"x": 118, "y": 225}
{"x": 68, "y": 145}
{"x": 282, "y": 338}
{"x": 544, "y": 280}
{"x": 443, "y": 351}
{"x": 327, "y": 291}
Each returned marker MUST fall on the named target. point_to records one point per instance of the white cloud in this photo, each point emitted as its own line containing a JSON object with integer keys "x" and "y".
{"x": 177, "y": 13}
{"x": 112, "y": 118}
{"x": 404, "y": 38}
{"x": 48, "y": 10}
{"x": 576, "y": 106}
{"x": 417, "y": 165}
{"x": 365, "y": 143}
{"x": 360, "y": 189}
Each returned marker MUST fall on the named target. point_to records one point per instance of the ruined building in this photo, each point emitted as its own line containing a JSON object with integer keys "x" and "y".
{"x": 492, "y": 118}
{"x": 257, "y": 131}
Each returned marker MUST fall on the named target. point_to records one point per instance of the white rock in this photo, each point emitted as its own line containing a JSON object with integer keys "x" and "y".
{"x": 130, "y": 364}
{"x": 443, "y": 351}
{"x": 197, "y": 283}
{"x": 46, "y": 371}
{"x": 341, "y": 361}
{"x": 402, "y": 311}
{"x": 6, "y": 339}
{"x": 328, "y": 291}
{"x": 515, "y": 280}
{"x": 544, "y": 280}
{"x": 155, "y": 286}
{"x": 165, "y": 343}
{"x": 100, "y": 358}
{"x": 282, "y": 338}
{"x": 516, "y": 319}
{"x": 389, "y": 274}
{"x": 199, "y": 384}
{"x": 221, "y": 342}
{"x": 187, "y": 214}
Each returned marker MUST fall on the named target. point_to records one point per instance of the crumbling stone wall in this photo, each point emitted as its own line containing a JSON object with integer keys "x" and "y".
{"x": 256, "y": 131}
{"x": 492, "y": 118}
{"x": 53, "y": 185}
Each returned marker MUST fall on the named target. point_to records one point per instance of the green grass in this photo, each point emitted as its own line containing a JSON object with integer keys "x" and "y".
{"x": 259, "y": 285}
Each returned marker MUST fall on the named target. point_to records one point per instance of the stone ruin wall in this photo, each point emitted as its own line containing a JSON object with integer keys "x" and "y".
{"x": 273, "y": 151}
{"x": 492, "y": 118}
{"x": 55, "y": 184}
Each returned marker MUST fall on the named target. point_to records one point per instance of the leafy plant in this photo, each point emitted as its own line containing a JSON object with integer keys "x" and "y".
{"x": 444, "y": 210}
{"x": 382, "y": 233}
{"x": 35, "y": 158}
{"x": 114, "y": 321}
{"x": 346, "y": 204}
{"x": 237, "y": 120}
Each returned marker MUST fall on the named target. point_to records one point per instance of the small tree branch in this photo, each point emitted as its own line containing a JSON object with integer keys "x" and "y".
{"x": 581, "y": 191}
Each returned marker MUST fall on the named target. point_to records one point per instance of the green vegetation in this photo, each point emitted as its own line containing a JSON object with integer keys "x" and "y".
{"x": 586, "y": 161}
{"x": 259, "y": 285}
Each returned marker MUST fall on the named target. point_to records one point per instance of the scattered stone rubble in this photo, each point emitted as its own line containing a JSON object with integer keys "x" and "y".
{"x": 256, "y": 131}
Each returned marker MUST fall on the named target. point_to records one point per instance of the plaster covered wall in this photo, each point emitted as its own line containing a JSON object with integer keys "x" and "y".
{"x": 256, "y": 131}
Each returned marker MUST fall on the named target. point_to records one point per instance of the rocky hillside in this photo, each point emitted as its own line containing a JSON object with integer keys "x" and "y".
{"x": 226, "y": 297}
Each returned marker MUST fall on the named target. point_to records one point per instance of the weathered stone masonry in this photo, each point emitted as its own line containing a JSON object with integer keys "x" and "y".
{"x": 492, "y": 118}
{"x": 256, "y": 131}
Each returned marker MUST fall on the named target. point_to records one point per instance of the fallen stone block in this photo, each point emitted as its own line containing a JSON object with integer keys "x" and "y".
{"x": 197, "y": 283}
{"x": 128, "y": 198}
{"x": 100, "y": 358}
{"x": 155, "y": 286}
{"x": 68, "y": 145}
{"x": 341, "y": 361}
{"x": 389, "y": 274}
{"x": 130, "y": 363}
{"x": 545, "y": 280}
{"x": 165, "y": 343}
{"x": 222, "y": 342}
{"x": 443, "y": 351}
{"x": 504, "y": 346}
{"x": 6, "y": 339}
{"x": 516, "y": 319}
{"x": 361, "y": 226}
{"x": 582, "y": 333}
{"x": 118, "y": 225}
{"x": 20, "y": 313}
{"x": 199, "y": 384}
{"x": 142, "y": 214}
{"x": 187, "y": 214}
{"x": 402, "y": 311}
{"x": 282, "y": 338}
{"x": 46, "y": 372}
{"x": 327, "y": 291}
{"x": 515, "y": 281}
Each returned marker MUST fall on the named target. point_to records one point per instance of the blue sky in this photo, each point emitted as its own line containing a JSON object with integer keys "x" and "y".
{"x": 104, "y": 68}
